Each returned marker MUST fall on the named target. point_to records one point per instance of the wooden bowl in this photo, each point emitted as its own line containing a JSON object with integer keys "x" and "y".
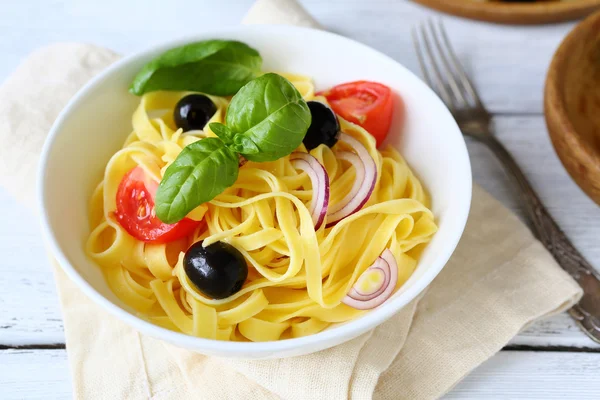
{"x": 515, "y": 13}
{"x": 572, "y": 104}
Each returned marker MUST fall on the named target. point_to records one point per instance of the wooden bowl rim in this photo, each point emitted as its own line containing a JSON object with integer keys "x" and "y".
{"x": 512, "y": 13}
{"x": 554, "y": 102}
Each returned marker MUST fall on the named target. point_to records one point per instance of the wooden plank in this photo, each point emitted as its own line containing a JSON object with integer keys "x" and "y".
{"x": 34, "y": 374}
{"x": 508, "y": 63}
{"x": 533, "y": 375}
{"x": 557, "y": 331}
{"x": 29, "y": 312}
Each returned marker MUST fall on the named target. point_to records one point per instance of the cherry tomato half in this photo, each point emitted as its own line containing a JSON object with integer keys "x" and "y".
{"x": 368, "y": 104}
{"x": 135, "y": 211}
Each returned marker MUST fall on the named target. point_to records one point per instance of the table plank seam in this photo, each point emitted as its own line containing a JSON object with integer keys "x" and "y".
{"x": 549, "y": 349}
{"x": 516, "y": 114}
{"x": 53, "y": 346}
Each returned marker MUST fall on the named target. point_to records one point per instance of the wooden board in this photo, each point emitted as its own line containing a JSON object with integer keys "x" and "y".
{"x": 533, "y": 375}
{"x": 541, "y": 12}
{"x": 44, "y": 374}
{"x": 507, "y": 63}
{"x": 34, "y": 374}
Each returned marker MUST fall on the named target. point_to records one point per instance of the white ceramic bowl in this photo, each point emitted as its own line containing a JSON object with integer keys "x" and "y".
{"x": 96, "y": 121}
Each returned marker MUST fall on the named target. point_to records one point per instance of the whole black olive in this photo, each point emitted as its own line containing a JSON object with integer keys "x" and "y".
{"x": 217, "y": 270}
{"x": 324, "y": 128}
{"x": 193, "y": 112}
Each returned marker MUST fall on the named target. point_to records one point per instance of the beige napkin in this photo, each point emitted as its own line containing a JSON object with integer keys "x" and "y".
{"x": 499, "y": 280}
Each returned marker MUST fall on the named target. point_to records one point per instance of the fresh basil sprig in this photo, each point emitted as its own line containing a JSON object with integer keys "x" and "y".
{"x": 217, "y": 67}
{"x": 268, "y": 117}
{"x": 266, "y": 120}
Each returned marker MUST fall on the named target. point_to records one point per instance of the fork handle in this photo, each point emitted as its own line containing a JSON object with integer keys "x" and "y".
{"x": 587, "y": 311}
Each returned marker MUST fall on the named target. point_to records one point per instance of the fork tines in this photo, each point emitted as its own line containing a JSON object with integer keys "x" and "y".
{"x": 449, "y": 78}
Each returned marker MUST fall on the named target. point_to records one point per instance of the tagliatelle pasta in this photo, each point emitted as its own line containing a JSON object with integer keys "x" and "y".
{"x": 298, "y": 276}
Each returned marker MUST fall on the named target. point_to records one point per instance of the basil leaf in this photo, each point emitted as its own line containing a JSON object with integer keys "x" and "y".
{"x": 200, "y": 172}
{"x": 217, "y": 67}
{"x": 270, "y": 113}
{"x": 222, "y": 131}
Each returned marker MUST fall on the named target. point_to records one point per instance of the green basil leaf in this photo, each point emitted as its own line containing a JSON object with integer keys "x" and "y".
{"x": 200, "y": 172}
{"x": 217, "y": 67}
{"x": 222, "y": 131}
{"x": 269, "y": 112}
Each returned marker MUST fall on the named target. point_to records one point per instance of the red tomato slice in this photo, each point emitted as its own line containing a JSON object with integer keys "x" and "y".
{"x": 368, "y": 104}
{"x": 135, "y": 211}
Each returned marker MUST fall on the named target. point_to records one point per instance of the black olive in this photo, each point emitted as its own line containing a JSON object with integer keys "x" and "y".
{"x": 193, "y": 112}
{"x": 324, "y": 128}
{"x": 218, "y": 270}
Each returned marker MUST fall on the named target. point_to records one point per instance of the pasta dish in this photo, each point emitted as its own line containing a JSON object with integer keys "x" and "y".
{"x": 245, "y": 206}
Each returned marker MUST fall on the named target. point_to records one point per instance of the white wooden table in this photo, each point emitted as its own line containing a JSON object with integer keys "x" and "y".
{"x": 551, "y": 359}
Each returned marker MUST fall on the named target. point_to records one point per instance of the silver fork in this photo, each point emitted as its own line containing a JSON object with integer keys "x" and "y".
{"x": 443, "y": 72}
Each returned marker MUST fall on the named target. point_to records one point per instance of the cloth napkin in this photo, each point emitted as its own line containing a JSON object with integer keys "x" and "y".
{"x": 499, "y": 280}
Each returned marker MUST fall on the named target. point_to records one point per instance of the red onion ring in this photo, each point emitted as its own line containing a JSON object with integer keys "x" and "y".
{"x": 357, "y": 294}
{"x": 320, "y": 185}
{"x": 364, "y": 183}
{"x": 365, "y": 301}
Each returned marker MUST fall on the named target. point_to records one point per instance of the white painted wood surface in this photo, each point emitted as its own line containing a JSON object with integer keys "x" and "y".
{"x": 43, "y": 374}
{"x": 507, "y": 63}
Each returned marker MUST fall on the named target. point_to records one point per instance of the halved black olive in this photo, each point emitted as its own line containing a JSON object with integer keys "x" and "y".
{"x": 324, "y": 128}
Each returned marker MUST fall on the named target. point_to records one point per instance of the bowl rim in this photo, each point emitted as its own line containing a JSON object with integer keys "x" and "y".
{"x": 349, "y": 330}
{"x": 554, "y": 104}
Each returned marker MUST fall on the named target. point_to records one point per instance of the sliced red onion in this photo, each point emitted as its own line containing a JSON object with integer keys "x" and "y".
{"x": 320, "y": 184}
{"x": 367, "y": 300}
{"x": 364, "y": 183}
{"x": 361, "y": 295}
